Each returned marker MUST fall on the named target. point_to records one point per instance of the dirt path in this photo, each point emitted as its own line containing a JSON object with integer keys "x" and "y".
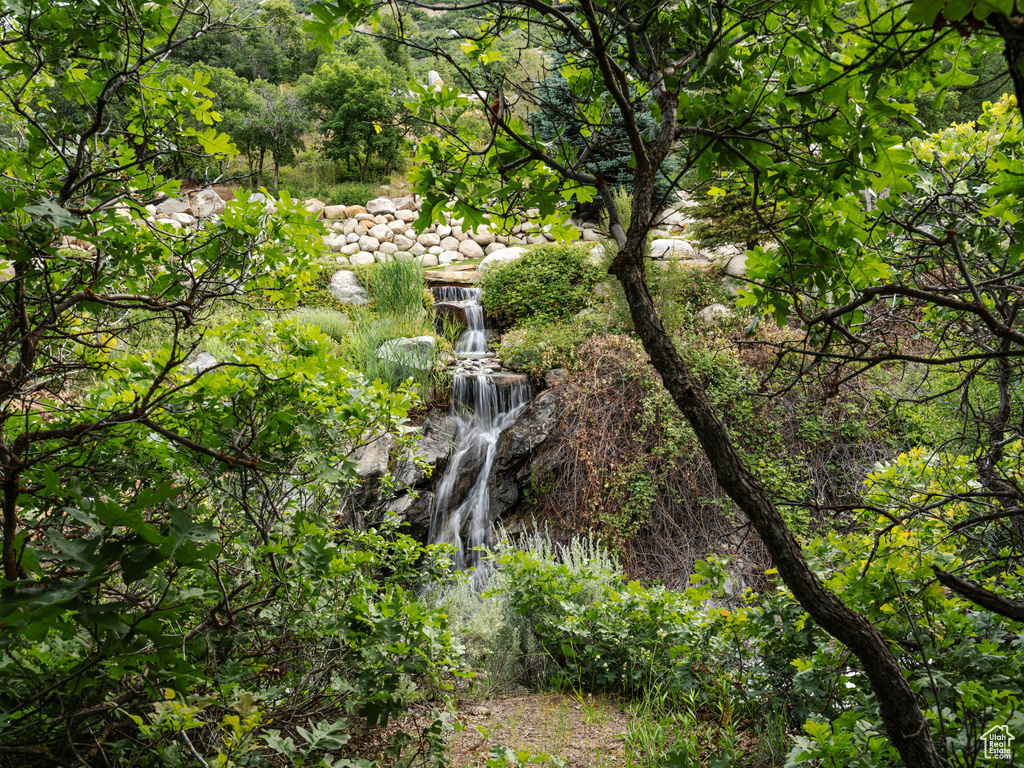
{"x": 584, "y": 733}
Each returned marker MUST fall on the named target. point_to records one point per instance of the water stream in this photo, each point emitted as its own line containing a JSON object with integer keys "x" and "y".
{"x": 484, "y": 401}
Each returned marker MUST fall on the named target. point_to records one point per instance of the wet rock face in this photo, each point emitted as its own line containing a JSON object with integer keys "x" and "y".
{"x": 521, "y": 451}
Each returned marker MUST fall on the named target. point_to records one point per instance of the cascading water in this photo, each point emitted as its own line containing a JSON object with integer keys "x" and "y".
{"x": 473, "y": 340}
{"x": 483, "y": 403}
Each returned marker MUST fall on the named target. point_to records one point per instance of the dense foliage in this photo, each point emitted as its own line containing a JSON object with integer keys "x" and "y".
{"x": 179, "y": 585}
{"x": 547, "y": 283}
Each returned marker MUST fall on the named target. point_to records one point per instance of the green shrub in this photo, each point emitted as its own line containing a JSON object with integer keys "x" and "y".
{"x": 536, "y": 348}
{"x": 548, "y": 282}
{"x": 335, "y": 324}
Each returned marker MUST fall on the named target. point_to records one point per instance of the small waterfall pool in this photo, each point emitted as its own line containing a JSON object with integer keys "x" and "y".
{"x": 483, "y": 403}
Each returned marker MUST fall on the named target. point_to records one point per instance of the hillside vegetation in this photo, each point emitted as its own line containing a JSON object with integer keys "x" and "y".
{"x": 780, "y": 522}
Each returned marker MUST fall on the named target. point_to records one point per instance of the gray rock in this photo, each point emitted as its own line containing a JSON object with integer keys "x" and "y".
{"x": 493, "y": 247}
{"x": 428, "y": 260}
{"x": 372, "y": 458}
{"x": 471, "y": 250}
{"x": 381, "y": 205}
{"x": 406, "y": 215}
{"x": 737, "y": 266}
{"x": 388, "y": 249}
{"x": 205, "y": 203}
{"x": 184, "y": 219}
{"x": 449, "y": 257}
{"x": 367, "y": 243}
{"x": 501, "y": 256}
{"x": 512, "y": 471}
{"x": 428, "y": 451}
{"x": 381, "y": 232}
{"x": 204, "y": 361}
{"x": 672, "y": 248}
{"x": 451, "y": 309}
{"x": 335, "y": 242}
{"x": 415, "y": 354}
{"x": 483, "y": 237}
{"x": 172, "y": 205}
{"x": 403, "y": 243}
{"x": 350, "y": 249}
{"x": 345, "y": 287}
{"x": 404, "y": 204}
{"x": 429, "y": 239}
{"x": 417, "y": 250}
{"x": 363, "y": 257}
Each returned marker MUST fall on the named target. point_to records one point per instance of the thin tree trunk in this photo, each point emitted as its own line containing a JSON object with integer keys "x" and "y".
{"x": 277, "y": 173}
{"x": 904, "y": 721}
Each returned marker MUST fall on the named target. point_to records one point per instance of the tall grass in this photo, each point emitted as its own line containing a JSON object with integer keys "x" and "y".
{"x": 395, "y": 287}
{"x": 333, "y": 323}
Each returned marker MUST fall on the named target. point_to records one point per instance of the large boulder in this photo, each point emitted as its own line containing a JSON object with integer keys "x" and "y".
{"x": 403, "y": 243}
{"x": 471, "y": 250}
{"x": 381, "y": 206}
{"x": 172, "y": 205}
{"x": 205, "y": 203}
{"x": 315, "y": 207}
{"x": 204, "y": 361}
{"x": 453, "y": 310}
{"x": 520, "y": 455}
{"x": 381, "y": 232}
{"x": 736, "y": 266}
{"x": 483, "y": 237}
{"x": 335, "y": 242}
{"x": 335, "y": 212}
{"x": 367, "y": 243}
{"x": 501, "y": 256}
{"x": 670, "y": 248}
{"x": 372, "y": 458}
{"x": 345, "y": 287}
{"x": 412, "y": 354}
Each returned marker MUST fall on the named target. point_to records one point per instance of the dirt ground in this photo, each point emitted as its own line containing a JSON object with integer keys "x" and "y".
{"x": 583, "y": 732}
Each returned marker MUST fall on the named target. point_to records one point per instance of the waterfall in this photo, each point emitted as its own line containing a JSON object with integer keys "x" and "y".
{"x": 484, "y": 401}
{"x": 473, "y": 341}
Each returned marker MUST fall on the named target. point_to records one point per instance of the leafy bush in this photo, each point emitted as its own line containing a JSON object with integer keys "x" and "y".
{"x": 536, "y": 348}
{"x": 548, "y": 282}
